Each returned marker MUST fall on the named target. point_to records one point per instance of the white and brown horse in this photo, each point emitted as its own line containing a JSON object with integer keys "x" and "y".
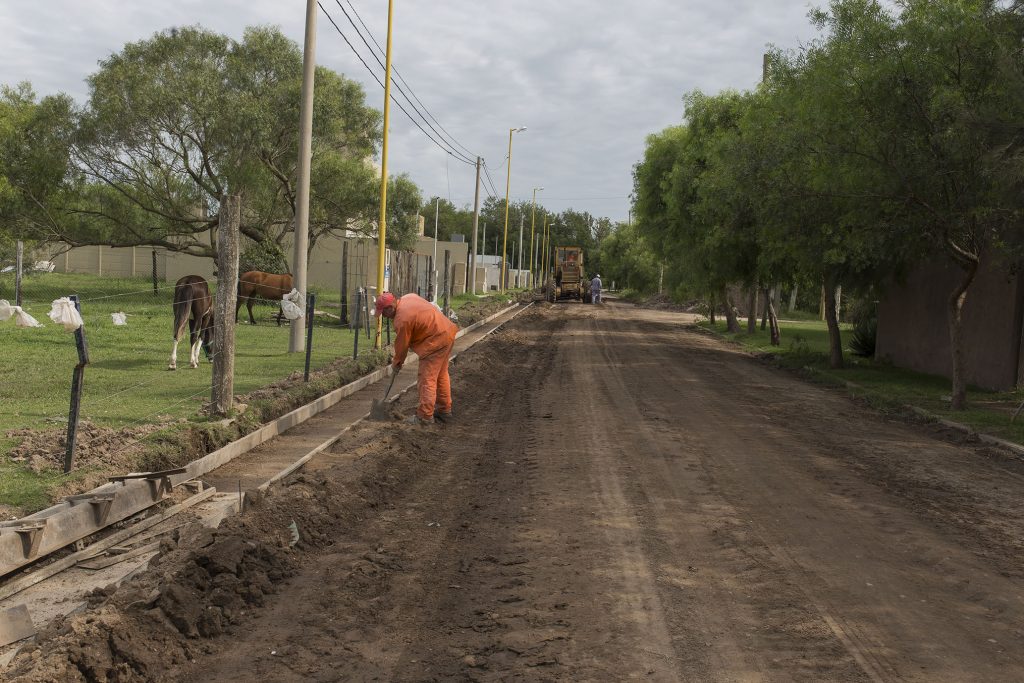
{"x": 256, "y": 284}
{"x": 193, "y": 303}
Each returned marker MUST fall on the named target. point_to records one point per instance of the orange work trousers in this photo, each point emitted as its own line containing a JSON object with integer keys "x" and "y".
{"x": 434, "y": 383}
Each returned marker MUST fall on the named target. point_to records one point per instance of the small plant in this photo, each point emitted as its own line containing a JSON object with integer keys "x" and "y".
{"x": 862, "y": 341}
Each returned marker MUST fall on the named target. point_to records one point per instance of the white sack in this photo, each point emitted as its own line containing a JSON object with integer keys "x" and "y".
{"x": 293, "y": 305}
{"x": 64, "y": 313}
{"x": 21, "y": 318}
{"x": 119, "y": 318}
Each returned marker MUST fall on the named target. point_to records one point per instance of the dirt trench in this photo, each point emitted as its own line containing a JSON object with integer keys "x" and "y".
{"x": 620, "y": 498}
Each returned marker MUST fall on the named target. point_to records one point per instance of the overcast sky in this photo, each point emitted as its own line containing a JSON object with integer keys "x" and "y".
{"x": 589, "y": 78}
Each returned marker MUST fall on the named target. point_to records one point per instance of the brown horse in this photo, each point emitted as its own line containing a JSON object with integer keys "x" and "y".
{"x": 192, "y": 302}
{"x": 259, "y": 285}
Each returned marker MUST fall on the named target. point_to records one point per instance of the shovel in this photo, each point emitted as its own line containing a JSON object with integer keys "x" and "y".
{"x": 380, "y": 411}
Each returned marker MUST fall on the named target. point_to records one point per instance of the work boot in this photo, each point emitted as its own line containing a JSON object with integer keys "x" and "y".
{"x": 444, "y": 417}
{"x": 417, "y": 420}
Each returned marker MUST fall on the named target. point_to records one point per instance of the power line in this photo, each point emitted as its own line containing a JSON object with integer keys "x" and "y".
{"x": 399, "y": 76}
{"x": 399, "y": 87}
{"x": 393, "y": 99}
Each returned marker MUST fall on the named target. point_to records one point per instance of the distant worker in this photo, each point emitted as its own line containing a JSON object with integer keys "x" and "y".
{"x": 595, "y": 289}
{"x": 422, "y": 327}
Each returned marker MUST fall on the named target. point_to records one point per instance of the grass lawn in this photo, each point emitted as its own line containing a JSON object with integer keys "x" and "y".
{"x": 127, "y": 382}
{"x": 805, "y": 345}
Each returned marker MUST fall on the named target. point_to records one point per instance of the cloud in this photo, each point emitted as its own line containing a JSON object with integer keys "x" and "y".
{"x": 590, "y": 79}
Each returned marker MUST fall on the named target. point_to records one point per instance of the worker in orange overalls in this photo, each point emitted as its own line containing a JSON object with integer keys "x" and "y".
{"x": 422, "y": 327}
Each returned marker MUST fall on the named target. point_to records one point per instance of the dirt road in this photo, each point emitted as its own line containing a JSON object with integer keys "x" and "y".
{"x": 623, "y": 497}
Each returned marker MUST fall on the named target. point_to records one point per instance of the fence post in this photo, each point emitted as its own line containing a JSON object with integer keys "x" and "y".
{"x": 156, "y": 290}
{"x": 358, "y": 325}
{"x": 366, "y": 312}
{"x": 18, "y": 269}
{"x": 77, "y": 380}
{"x": 430, "y": 278}
{"x": 447, "y": 278}
{"x": 310, "y": 309}
{"x": 344, "y": 284}
{"x": 223, "y": 393}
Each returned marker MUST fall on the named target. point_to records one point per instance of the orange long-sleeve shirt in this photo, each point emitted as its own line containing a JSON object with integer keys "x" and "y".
{"x": 420, "y": 326}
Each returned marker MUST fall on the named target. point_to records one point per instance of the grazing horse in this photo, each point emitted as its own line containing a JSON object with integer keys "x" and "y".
{"x": 259, "y": 285}
{"x": 192, "y": 302}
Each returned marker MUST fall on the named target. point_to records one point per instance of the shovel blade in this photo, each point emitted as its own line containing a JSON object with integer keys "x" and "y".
{"x": 380, "y": 410}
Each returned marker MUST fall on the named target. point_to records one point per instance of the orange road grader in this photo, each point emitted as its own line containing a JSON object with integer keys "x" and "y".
{"x": 568, "y": 280}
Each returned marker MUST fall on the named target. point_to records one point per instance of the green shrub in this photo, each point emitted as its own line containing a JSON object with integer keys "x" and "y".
{"x": 862, "y": 341}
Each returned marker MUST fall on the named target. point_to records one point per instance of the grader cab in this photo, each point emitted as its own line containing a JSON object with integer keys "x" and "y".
{"x": 568, "y": 279}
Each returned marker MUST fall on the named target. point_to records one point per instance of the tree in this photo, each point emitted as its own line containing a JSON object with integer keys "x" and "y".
{"x": 175, "y": 121}
{"x": 626, "y": 260}
{"x": 35, "y": 173}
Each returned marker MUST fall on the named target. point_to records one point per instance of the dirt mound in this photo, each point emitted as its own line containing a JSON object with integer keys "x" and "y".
{"x": 95, "y": 446}
{"x": 474, "y": 311}
{"x": 206, "y": 584}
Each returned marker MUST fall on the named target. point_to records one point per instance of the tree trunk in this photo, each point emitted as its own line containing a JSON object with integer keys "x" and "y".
{"x": 752, "y": 311}
{"x": 767, "y": 305}
{"x": 792, "y": 299}
{"x": 835, "y": 341}
{"x": 773, "y": 319}
{"x": 956, "y": 311}
{"x": 839, "y": 299}
{"x": 711, "y": 311}
{"x": 732, "y": 324}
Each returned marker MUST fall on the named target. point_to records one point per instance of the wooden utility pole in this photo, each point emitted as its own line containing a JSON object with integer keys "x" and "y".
{"x": 344, "y": 283}
{"x": 223, "y": 393}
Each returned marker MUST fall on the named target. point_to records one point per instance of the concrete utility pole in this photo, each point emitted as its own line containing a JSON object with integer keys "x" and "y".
{"x": 519, "y": 266}
{"x": 297, "y": 339}
{"x": 223, "y": 392}
{"x": 476, "y": 222}
{"x": 433, "y": 263}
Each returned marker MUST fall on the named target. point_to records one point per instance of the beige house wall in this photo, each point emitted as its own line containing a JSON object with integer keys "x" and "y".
{"x": 323, "y": 267}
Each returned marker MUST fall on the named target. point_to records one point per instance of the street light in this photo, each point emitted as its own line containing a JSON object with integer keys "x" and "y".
{"x": 508, "y": 185}
{"x": 533, "y": 221}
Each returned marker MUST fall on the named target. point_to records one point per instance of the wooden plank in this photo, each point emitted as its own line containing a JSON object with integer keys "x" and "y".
{"x": 149, "y": 475}
{"x": 15, "y": 625}
{"x": 104, "y": 562}
{"x": 29, "y": 580}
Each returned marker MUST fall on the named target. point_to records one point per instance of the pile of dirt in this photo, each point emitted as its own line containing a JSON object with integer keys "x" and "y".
{"x": 474, "y": 311}
{"x": 663, "y": 302}
{"x": 205, "y": 583}
{"x": 95, "y": 446}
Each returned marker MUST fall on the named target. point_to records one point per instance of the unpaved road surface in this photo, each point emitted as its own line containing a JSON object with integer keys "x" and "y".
{"x": 621, "y": 498}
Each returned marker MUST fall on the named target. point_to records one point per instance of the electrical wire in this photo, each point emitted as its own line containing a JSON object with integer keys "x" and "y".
{"x": 446, "y": 150}
{"x": 399, "y": 76}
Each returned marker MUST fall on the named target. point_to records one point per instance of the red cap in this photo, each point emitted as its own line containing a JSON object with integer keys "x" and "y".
{"x": 383, "y": 301}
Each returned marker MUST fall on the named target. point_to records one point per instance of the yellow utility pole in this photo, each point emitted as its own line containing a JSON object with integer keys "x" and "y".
{"x": 382, "y": 227}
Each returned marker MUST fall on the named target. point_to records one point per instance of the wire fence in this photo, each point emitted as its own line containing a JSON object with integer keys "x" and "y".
{"x": 128, "y": 335}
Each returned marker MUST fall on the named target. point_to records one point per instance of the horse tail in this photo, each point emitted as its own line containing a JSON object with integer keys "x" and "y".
{"x": 182, "y": 305}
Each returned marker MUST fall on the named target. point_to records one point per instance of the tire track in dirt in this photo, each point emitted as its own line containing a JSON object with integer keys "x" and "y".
{"x": 620, "y": 498}
{"x": 837, "y": 500}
